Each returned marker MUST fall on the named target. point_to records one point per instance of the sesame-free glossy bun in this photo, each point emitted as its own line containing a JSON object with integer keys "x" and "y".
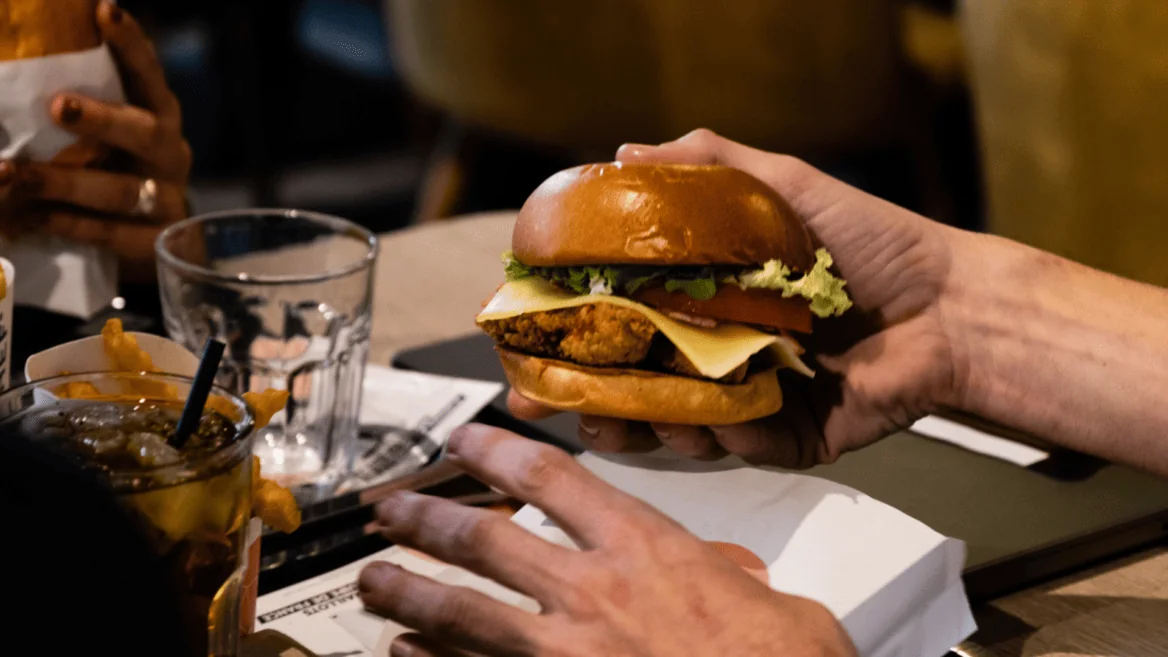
{"x": 37, "y": 28}
{"x": 641, "y": 395}
{"x": 658, "y": 214}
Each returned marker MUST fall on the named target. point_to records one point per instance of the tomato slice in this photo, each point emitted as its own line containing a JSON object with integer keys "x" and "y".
{"x": 733, "y": 304}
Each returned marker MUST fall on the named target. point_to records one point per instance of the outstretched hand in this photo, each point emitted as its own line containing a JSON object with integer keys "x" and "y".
{"x": 639, "y": 585}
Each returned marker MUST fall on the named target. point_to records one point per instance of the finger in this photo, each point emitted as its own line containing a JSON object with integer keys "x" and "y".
{"x": 611, "y": 435}
{"x": 417, "y": 645}
{"x": 525, "y": 409}
{"x": 691, "y": 441}
{"x": 793, "y": 179}
{"x": 481, "y": 541}
{"x": 462, "y": 617}
{"x": 788, "y": 439}
{"x": 589, "y": 510}
{"x": 141, "y": 69}
{"x": 129, "y": 128}
{"x": 761, "y": 442}
{"x": 131, "y": 241}
{"x": 7, "y": 174}
{"x": 105, "y": 192}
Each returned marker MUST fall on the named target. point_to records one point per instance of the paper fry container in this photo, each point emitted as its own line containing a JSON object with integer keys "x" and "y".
{"x": 88, "y": 355}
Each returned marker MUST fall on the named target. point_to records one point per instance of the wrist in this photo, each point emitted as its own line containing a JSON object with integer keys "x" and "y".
{"x": 1058, "y": 350}
{"x": 984, "y": 296}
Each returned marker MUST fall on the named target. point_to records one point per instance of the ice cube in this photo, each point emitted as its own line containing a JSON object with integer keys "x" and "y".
{"x": 98, "y": 417}
{"x": 47, "y": 424}
{"x": 151, "y": 450}
{"x": 104, "y": 441}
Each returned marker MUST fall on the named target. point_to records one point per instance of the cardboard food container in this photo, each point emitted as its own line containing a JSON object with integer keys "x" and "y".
{"x": 88, "y": 355}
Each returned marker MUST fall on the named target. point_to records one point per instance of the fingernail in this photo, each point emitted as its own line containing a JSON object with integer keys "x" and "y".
{"x": 401, "y": 648}
{"x": 7, "y": 173}
{"x": 115, "y": 12}
{"x": 70, "y": 111}
{"x": 589, "y": 432}
{"x": 375, "y": 576}
{"x": 387, "y": 508}
{"x": 454, "y": 442}
{"x": 461, "y": 443}
{"x": 631, "y": 151}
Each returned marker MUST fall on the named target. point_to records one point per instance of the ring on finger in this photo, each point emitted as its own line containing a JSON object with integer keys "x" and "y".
{"x": 147, "y": 198}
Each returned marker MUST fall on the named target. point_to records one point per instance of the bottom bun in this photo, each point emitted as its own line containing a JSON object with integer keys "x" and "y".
{"x": 641, "y": 395}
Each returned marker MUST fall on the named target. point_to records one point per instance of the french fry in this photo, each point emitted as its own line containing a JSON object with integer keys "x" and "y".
{"x": 78, "y": 390}
{"x": 272, "y": 503}
{"x": 266, "y": 404}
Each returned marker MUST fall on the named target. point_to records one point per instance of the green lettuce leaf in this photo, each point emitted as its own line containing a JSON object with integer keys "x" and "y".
{"x": 822, "y": 289}
{"x": 819, "y": 286}
{"x": 633, "y": 284}
{"x": 513, "y": 269}
{"x": 702, "y": 289}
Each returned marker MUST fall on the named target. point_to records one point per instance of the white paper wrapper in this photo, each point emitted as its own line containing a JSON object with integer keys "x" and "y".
{"x": 67, "y": 278}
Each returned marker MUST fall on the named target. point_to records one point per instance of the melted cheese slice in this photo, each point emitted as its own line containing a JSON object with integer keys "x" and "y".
{"x": 715, "y": 352}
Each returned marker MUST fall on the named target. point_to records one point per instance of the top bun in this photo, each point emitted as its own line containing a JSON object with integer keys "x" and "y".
{"x": 658, "y": 214}
{"x": 36, "y": 28}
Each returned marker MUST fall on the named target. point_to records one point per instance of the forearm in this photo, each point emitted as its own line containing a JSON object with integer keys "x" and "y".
{"x": 1067, "y": 353}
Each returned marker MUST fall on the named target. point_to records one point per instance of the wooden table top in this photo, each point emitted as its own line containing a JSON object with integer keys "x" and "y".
{"x": 432, "y": 279}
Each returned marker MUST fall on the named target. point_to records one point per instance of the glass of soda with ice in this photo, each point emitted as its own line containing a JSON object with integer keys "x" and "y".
{"x": 194, "y": 502}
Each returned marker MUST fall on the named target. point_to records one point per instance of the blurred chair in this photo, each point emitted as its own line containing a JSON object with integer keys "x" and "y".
{"x": 1070, "y": 101}
{"x": 812, "y": 78}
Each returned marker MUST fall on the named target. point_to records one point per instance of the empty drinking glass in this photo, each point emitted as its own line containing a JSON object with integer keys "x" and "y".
{"x": 290, "y": 293}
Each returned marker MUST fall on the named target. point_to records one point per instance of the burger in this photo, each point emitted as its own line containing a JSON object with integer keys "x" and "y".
{"x": 658, "y": 293}
{"x": 32, "y": 29}
{"x": 36, "y": 28}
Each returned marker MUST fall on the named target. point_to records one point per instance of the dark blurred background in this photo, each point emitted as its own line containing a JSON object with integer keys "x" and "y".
{"x": 391, "y": 112}
{"x": 1037, "y": 121}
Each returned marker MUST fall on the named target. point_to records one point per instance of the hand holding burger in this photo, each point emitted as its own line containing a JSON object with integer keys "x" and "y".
{"x": 877, "y": 367}
{"x": 126, "y": 177}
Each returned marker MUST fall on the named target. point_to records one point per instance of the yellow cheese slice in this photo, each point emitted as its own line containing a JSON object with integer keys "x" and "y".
{"x": 715, "y": 352}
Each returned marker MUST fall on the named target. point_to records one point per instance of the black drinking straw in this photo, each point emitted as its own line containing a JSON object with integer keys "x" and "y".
{"x": 200, "y": 390}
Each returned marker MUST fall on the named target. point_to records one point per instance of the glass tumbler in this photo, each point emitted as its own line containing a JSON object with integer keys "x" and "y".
{"x": 290, "y": 294}
{"x": 193, "y": 503}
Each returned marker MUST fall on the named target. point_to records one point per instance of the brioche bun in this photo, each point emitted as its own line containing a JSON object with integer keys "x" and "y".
{"x": 641, "y": 395}
{"x": 658, "y": 214}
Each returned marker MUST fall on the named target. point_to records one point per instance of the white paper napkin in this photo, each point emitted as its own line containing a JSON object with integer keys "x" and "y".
{"x": 63, "y": 277}
{"x": 894, "y": 583}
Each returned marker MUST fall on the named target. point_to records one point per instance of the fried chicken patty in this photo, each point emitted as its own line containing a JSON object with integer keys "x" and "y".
{"x": 595, "y": 334}
{"x": 602, "y": 335}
